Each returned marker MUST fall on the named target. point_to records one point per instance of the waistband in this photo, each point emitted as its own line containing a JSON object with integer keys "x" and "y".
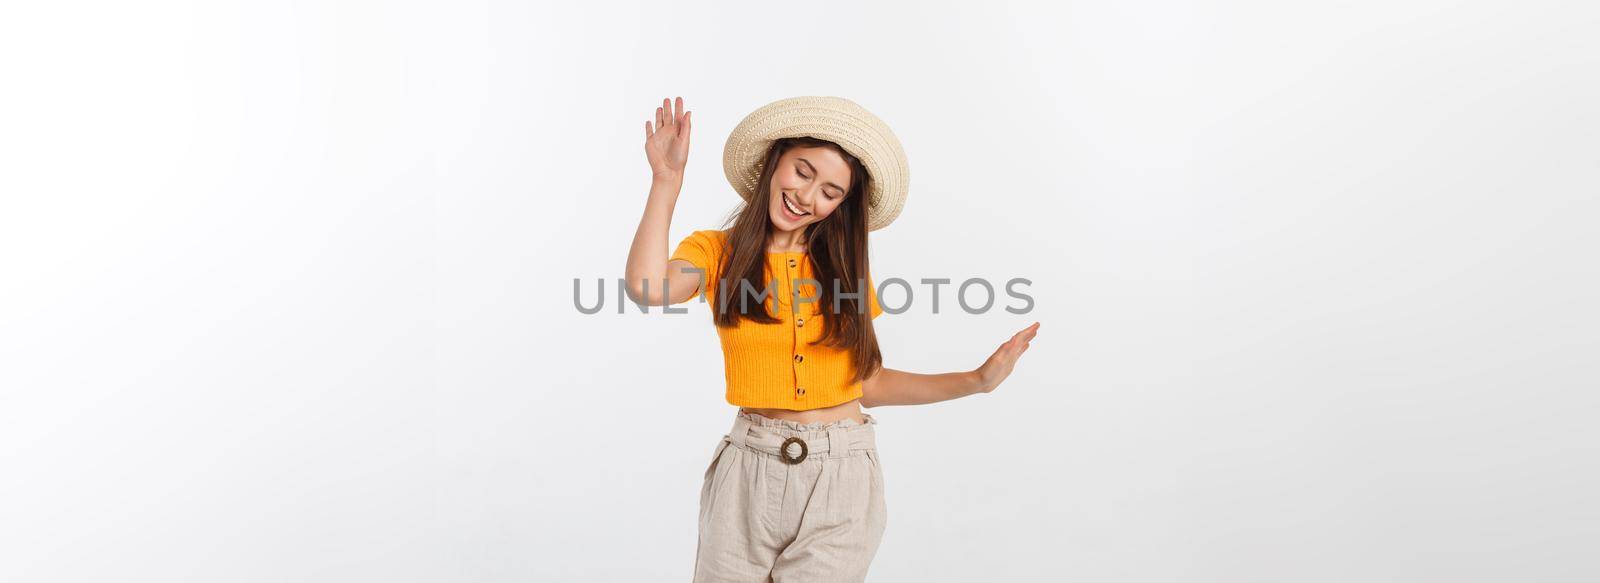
{"x": 806, "y": 440}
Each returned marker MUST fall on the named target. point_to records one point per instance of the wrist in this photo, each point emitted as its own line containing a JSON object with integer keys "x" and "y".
{"x": 667, "y": 177}
{"x": 975, "y": 382}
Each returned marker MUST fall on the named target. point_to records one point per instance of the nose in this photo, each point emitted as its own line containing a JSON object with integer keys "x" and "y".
{"x": 804, "y": 196}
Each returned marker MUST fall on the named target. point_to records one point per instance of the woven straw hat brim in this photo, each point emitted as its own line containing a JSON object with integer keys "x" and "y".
{"x": 835, "y": 119}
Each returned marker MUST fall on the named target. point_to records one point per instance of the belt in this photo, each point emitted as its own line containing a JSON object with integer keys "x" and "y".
{"x": 793, "y": 446}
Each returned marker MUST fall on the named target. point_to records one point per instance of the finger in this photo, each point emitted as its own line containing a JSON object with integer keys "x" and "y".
{"x": 666, "y": 107}
{"x": 683, "y": 132}
{"x": 647, "y": 131}
{"x": 658, "y": 118}
{"x": 678, "y": 111}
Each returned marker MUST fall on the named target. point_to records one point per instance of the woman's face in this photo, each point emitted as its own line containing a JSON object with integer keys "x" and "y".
{"x": 810, "y": 180}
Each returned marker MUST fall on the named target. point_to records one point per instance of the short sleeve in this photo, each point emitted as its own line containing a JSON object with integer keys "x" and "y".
{"x": 872, "y": 294}
{"x": 703, "y": 249}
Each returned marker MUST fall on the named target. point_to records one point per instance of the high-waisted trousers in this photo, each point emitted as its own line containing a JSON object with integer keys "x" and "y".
{"x": 787, "y": 502}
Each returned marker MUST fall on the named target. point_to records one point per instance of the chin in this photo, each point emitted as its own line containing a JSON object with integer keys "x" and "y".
{"x": 779, "y": 221}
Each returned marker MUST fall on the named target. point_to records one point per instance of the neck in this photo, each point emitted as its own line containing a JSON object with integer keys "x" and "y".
{"x": 787, "y": 241}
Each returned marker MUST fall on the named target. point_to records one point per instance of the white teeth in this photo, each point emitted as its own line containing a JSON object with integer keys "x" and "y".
{"x": 791, "y": 207}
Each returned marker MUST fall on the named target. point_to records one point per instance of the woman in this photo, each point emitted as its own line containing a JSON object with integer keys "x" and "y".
{"x": 794, "y": 492}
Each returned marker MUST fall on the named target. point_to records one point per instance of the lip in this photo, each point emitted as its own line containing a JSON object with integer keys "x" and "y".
{"x": 786, "y": 203}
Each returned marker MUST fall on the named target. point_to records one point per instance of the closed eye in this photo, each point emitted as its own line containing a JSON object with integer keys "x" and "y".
{"x": 829, "y": 193}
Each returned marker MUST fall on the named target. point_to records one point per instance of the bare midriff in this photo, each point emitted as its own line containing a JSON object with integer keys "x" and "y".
{"x": 847, "y": 410}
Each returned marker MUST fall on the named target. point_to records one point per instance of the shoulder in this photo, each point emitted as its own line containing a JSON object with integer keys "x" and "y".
{"x": 702, "y": 248}
{"x": 707, "y": 236}
{"x": 712, "y": 240}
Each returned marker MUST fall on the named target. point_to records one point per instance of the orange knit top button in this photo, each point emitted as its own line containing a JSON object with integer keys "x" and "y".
{"x": 759, "y": 360}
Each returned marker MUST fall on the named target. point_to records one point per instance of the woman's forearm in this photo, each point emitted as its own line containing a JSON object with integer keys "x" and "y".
{"x": 896, "y": 387}
{"x": 647, "y": 258}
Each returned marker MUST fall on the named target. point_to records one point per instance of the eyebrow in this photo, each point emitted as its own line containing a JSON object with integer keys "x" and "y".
{"x": 814, "y": 171}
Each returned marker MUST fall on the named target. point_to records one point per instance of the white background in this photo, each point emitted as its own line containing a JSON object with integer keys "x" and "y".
{"x": 286, "y": 287}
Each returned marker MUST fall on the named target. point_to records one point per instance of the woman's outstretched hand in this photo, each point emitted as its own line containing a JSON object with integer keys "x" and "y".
{"x": 999, "y": 365}
{"x": 666, "y": 143}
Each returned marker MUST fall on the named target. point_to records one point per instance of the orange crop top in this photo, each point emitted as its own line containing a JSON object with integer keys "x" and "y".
{"x": 774, "y": 365}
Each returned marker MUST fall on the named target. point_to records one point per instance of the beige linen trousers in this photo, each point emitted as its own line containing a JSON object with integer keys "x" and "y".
{"x": 813, "y": 513}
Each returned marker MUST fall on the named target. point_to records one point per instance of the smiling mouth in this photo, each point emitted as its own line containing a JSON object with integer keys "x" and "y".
{"x": 791, "y": 208}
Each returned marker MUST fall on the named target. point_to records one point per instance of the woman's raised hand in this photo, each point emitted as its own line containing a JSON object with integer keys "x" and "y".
{"x": 999, "y": 365}
{"x": 666, "y": 143}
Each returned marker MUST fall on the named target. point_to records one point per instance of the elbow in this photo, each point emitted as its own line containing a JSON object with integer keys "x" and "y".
{"x": 869, "y": 392}
{"x": 638, "y": 294}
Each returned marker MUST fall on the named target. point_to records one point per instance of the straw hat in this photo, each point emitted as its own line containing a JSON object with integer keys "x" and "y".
{"x": 835, "y": 119}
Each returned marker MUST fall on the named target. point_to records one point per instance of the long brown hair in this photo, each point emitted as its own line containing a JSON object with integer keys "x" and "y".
{"x": 836, "y": 246}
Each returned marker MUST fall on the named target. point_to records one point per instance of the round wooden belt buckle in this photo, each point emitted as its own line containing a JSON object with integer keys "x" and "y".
{"x": 783, "y": 451}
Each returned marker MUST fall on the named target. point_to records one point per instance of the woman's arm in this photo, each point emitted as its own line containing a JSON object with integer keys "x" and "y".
{"x": 667, "y": 148}
{"x": 898, "y": 387}
{"x": 895, "y": 387}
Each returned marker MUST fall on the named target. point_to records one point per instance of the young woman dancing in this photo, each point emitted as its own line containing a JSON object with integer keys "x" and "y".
{"x": 795, "y": 491}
